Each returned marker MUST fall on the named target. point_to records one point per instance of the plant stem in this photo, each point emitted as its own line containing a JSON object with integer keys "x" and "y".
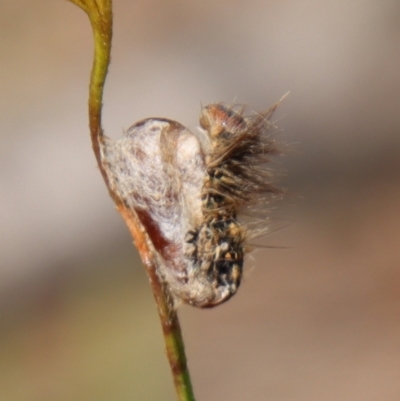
{"x": 100, "y": 15}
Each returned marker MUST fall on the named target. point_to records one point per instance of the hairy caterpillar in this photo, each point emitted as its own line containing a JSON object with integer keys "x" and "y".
{"x": 188, "y": 190}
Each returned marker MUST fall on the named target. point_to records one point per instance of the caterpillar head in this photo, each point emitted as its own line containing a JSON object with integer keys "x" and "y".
{"x": 217, "y": 119}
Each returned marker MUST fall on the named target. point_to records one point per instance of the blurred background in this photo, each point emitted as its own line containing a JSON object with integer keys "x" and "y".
{"x": 317, "y": 321}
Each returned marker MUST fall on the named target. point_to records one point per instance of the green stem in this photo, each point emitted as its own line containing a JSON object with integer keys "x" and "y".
{"x": 172, "y": 336}
{"x": 100, "y": 15}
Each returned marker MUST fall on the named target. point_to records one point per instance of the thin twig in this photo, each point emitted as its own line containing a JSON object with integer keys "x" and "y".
{"x": 100, "y": 15}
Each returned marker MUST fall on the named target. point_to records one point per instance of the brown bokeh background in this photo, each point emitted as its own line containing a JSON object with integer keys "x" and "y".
{"x": 317, "y": 321}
